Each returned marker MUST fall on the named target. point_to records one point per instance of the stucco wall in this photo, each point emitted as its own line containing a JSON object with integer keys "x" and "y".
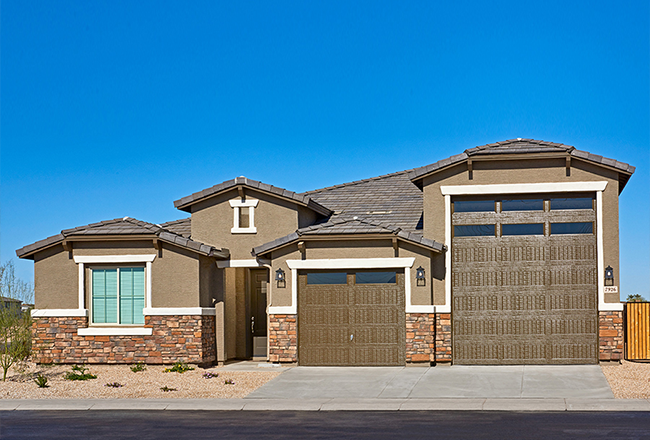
{"x": 521, "y": 171}
{"x": 175, "y": 274}
{"x": 213, "y": 219}
{"x": 56, "y": 280}
{"x": 379, "y": 248}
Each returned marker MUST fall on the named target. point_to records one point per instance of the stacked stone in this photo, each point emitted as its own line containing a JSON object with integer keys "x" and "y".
{"x": 610, "y": 335}
{"x": 420, "y": 337}
{"x": 174, "y": 338}
{"x": 283, "y": 338}
{"x": 443, "y": 337}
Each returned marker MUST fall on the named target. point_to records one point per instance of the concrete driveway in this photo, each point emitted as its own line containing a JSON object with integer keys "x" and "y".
{"x": 524, "y": 382}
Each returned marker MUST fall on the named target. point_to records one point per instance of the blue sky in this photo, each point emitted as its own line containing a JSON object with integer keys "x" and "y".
{"x": 112, "y": 109}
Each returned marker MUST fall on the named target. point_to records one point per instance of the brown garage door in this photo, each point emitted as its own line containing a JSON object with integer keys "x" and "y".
{"x": 524, "y": 281}
{"x": 351, "y": 318}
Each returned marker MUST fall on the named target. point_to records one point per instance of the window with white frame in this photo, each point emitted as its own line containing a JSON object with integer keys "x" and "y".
{"x": 244, "y": 216}
{"x": 117, "y": 295}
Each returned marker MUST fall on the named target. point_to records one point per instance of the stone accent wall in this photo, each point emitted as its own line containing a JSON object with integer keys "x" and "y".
{"x": 283, "y": 338}
{"x": 610, "y": 336}
{"x": 420, "y": 333}
{"x": 175, "y": 338}
{"x": 443, "y": 337}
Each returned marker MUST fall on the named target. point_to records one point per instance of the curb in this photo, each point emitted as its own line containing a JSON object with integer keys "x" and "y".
{"x": 326, "y": 404}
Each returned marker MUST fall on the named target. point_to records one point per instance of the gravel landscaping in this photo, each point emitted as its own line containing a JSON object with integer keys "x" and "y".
{"x": 217, "y": 383}
{"x": 629, "y": 380}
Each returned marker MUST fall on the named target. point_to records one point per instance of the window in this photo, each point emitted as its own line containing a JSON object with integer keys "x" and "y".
{"x": 522, "y": 205}
{"x": 474, "y": 230}
{"x": 572, "y": 203}
{"x": 244, "y": 216}
{"x": 474, "y": 206}
{"x": 376, "y": 278}
{"x": 572, "y": 228}
{"x": 118, "y": 295}
{"x": 523, "y": 229}
{"x": 327, "y": 278}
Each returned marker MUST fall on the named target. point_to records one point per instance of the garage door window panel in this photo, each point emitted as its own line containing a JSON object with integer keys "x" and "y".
{"x": 327, "y": 278}
{"x": 475, "y": 206}
{"x": 376, "y": 278}
{"x": 572, "y": 228}
{"x": 522, "y": 205}
{"x": 569, "y": 203}
{"x": 522, "y": 229}
{"x": 474, "y": 230}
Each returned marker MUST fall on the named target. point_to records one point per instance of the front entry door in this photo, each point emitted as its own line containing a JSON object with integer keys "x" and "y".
{"x": 259, "y": 280}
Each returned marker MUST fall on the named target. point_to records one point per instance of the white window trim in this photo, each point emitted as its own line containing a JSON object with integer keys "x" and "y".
{"x": 115, "y": 331}
{"x": 243, "y": 263}
{"x": 59, "y": 313}
{"x": 236, "y": 204}
{"x": 350, "y": 263}
{"x": 169, "y": 311}
{"x": 526, "y": 188}
{"x": 82, "y": 260}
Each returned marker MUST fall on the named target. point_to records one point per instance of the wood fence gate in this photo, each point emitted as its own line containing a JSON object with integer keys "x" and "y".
{"x": 637, "y": 331}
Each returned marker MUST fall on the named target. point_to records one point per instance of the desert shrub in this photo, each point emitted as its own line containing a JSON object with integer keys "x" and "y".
{"x": 178, "y": 367}
{"x": 15, "y": 337}
{"x": 166, "y": 389}
{"x": 41, "y": 381}
{"x": 140, "y": 366}
{"x": 79, "y": 372}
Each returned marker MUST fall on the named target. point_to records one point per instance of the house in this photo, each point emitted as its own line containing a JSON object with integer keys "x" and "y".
{"x": 504, "y": 254}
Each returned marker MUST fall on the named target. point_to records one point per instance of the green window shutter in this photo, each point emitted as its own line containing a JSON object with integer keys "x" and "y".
{"x": 131, "y": 295}
{"x": 104, "y": 297}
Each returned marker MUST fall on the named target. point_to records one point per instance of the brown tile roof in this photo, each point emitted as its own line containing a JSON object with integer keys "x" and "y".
{"x": 392, "y": 199}
{"x": 182, "y": 227}
{"x": 349, "y": 226}
{"x": 186, "y": 202}
{"x": 124, "y": 227}
{"x": 521, "y": 146}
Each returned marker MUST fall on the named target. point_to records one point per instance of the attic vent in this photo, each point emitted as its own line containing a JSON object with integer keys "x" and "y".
{"x": 379, "y": 212}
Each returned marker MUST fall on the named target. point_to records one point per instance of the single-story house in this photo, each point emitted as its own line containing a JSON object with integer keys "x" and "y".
{"x": 504, "y": 254}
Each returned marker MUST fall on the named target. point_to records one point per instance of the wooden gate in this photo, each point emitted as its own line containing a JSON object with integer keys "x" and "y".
{"x": 637, "y": 332}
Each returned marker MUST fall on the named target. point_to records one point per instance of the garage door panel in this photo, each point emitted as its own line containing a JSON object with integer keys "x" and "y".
{"x": 524, "y": 299}
{"x": 351, "y": 324}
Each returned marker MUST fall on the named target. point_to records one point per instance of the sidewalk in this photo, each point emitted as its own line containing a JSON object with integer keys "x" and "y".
{"x": 337, "y": 404}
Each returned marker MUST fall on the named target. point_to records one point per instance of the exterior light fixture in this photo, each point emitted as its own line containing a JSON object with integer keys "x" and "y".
{"x": 609, "y": 276}
{"x": 419, "y": 276}
{"x": 280, "y": 278}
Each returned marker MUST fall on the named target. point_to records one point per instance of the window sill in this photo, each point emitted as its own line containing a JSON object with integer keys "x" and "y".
{"x": 115, "y": 331}
{"x": 244, "y": 230}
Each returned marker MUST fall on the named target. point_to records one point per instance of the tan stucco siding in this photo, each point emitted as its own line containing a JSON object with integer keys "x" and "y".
{"x": 56, "y": 280}
{"x": 175, "y": 274}
{"x": 175, "y": 278}
{"x": 379, "y": 248}
{"x": 522, "y": 171}
{"x": 213, "y": 219}
{"x": 210, "y": 282}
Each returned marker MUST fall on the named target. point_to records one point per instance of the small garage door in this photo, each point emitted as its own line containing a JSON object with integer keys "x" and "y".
{"x": 524, "y": 281}
{"x": 351, "y": 318}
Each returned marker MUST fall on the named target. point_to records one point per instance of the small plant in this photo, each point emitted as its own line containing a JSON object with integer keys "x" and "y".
{"x": 228, "y": 382}
{"x": 210, "y": 375}
{"x": 41, "y": 381}
{"x": 140, "y": 366}
{"x": 178, "y": 367}
{"x": 114, "y": 385}
{"x": 79, "y": 372}
{"x": 635, "y": 298}
{"x": 166, "y": 389}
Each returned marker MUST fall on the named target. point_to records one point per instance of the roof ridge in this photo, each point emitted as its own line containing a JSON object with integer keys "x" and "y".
{"x": 357, "y": 182}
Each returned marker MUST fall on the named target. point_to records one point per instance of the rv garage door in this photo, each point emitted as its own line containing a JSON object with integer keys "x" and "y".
{"x": 524, "y": 281}
{"x": 351, "y": 318}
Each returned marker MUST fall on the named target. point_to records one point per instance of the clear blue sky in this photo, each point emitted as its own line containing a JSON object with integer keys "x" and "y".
{"x": 118, "y": 108}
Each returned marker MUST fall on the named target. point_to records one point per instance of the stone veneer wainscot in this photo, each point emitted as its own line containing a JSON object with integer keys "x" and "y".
{"x": 420, "y": 334}
{"x": 187, "y": 338}
{"x": 610, "y": 336}
{"x": 283, "y": 338}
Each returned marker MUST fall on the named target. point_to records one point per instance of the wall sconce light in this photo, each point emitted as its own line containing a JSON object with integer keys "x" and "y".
{"x": 280, "y": 278}
{"x": 419, "y": 276}
{"x": 609, "y": 276}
